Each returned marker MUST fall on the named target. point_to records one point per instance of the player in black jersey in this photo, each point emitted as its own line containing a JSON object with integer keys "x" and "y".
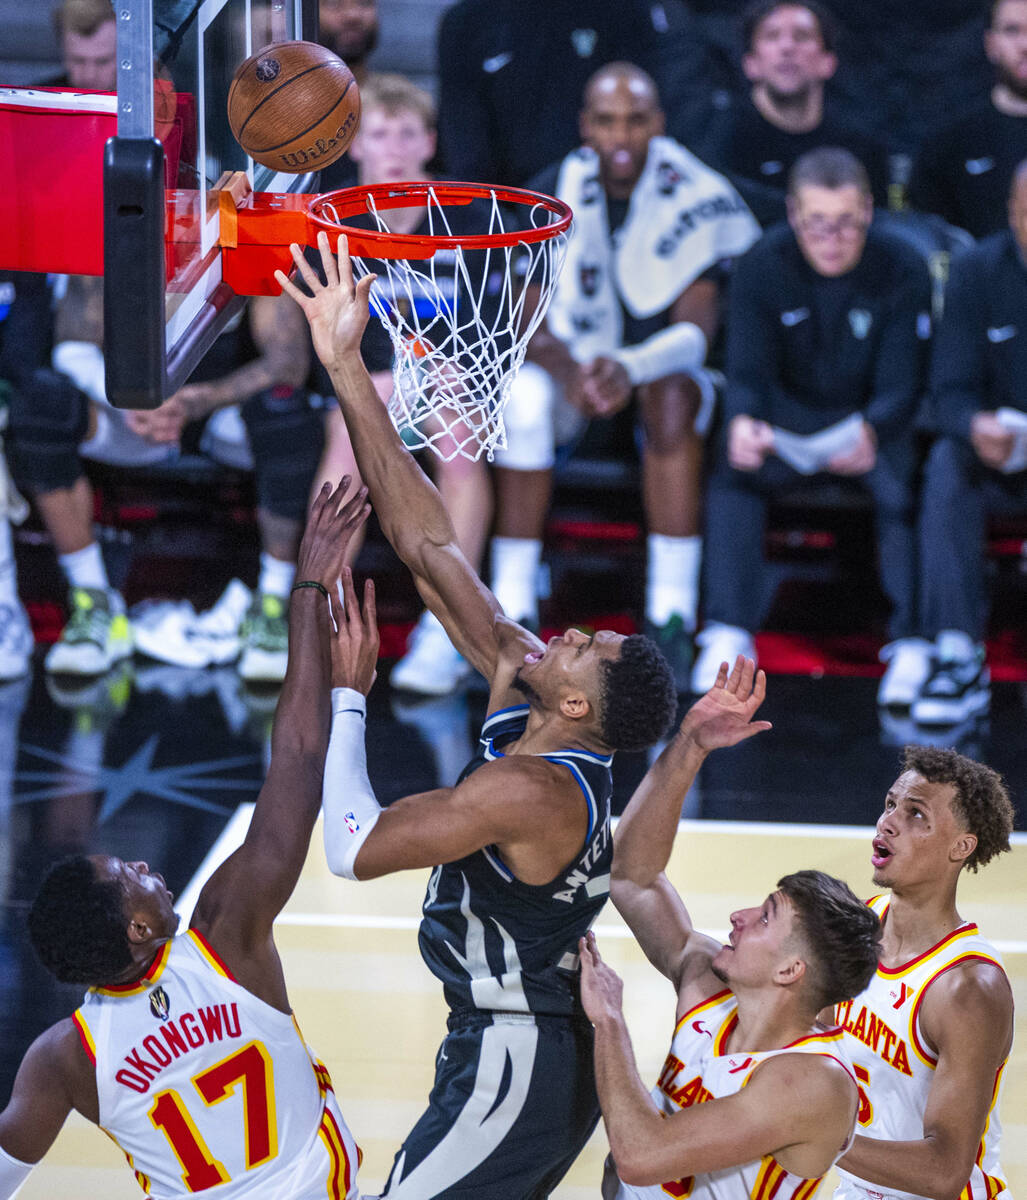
{"x": 523, "y": 838}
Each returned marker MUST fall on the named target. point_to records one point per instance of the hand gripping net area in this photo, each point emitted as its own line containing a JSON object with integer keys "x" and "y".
{"x": 460, "y": 320}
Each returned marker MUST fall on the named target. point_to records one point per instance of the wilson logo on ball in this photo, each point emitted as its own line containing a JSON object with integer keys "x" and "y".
{"x": 268, "y": 69}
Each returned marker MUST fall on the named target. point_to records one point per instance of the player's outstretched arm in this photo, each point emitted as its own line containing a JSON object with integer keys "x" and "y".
{"x": 968, "y": 1016}
{"x": 645, "y": 835}
{"x": 801, "y": 1108}
{"x": 53, "y": 1078}
{"x": 238, "y": 905}
{"x": 410, "y": 510}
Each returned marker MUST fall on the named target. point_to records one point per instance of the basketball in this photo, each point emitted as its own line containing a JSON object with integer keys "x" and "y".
{"x": 294, "y": 106}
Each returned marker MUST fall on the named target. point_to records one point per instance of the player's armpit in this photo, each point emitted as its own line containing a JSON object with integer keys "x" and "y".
{"x": 45, "y": 1090}
{"x": 798, "y": 1107}
{"x": 967, "y": 1015}
{"x": 528, "y": 807}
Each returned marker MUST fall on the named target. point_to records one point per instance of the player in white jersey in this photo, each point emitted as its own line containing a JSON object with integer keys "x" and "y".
{"x": 755, "y": 1099}
{"x": 185, "y": 1050}
{"x": 930, "y": 1035}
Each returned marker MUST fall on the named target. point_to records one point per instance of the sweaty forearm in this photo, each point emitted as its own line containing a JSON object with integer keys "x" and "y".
{"x": 921, "y": 1167}
{"x": 631, "y": 1119}
{"x": 406, "y": 502}
{"x": 645, "y": 834}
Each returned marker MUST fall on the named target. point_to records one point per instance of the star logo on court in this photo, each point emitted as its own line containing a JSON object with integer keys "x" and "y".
{"x": 179, "y": 783}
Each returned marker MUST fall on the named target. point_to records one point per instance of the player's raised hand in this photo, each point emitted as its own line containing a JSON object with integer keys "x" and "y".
{"x": 724, "y": 716}
{"x": 336, "y": 310}
{"x": 355, "y": 641}
{"x": 330, "y": 528}
{"x": 601, "y": 987}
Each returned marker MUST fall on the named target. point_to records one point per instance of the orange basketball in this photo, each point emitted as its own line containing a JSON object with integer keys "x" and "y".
{"x": 294, "y": 106}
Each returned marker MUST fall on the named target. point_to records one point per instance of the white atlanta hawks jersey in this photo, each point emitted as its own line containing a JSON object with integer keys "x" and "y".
{"x": 698, "y": 1069}
{"x": 895, "y": 1066}
{"x": 202, "y": 1085}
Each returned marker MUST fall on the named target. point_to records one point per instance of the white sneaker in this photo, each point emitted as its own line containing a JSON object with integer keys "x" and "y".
{"x": 431, "y": 665}
{"x": 718, "y": 644}
{"x": 909, "y": 665}
{"x": 16, "y": 641}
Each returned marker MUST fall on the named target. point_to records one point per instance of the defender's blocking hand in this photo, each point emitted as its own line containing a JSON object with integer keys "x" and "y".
{"x": 724, "y": 716}
{"x": 330, "y": 528}
{"x": 355, "y": 641}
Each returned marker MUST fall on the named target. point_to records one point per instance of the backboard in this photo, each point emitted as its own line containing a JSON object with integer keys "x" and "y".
{"x": 165, "y": 297}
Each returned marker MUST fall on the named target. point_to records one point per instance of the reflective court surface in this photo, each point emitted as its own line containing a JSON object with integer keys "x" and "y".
{"x": 163, "y": 764}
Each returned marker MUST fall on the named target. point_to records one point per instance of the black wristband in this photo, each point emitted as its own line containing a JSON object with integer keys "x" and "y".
{"x": 311, "y": 583}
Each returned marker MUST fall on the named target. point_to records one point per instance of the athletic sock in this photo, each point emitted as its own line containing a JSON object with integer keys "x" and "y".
{"x": 954, "y": 646}
{"x": 515, "y": 571}
{"x": 672, "y": 578}
{"x": 8, "y": 571}
{"x": 276, "y": 576}
{"x": 85, "y": 568}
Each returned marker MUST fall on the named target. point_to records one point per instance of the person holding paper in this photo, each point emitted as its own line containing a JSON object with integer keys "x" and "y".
{"x": 827, "y": 331}
{"x": 978, "y": 390}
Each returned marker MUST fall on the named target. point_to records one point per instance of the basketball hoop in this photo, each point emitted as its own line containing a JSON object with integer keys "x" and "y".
{"x": 456, "y": 352}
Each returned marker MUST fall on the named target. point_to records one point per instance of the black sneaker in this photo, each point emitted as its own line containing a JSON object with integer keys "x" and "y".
{"x": 953, "y": 692}
{"x": 675, "y": 643}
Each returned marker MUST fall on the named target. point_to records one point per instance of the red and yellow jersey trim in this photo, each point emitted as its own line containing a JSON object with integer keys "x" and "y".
{"x": 153, "y": 973}
{"x": 340, "y": 1172}
{"x": 770, "y": 1178}
{"x": 84, "y": 1035}
{"x": 919, "y": 1049}
{"x": 703, "y": 1006}
{"x": 210, "y": 954}
{"x": 725, "y": 1031}
{"x": 964, "y": 931}
{"x": 142, "y": 1179}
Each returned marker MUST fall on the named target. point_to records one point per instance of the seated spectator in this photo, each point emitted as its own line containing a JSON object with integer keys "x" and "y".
{"x": 88, "y": 36}
{"x": 789, "y": 58}
{"x": 978, "y": 394}
{"x": 349, "y": 28}
{"x": 636, "y": 305}
{"x": 395, "y": 143}
{"x": 62, "y": 417}
{"x": 826, "y": 334}
{"x": 512, "y": 72}
{"x": 964, "y": 170}
{"x": 25, "y": 329}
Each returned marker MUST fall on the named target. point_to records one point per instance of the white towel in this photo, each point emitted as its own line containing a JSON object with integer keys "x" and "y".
{"x": 682, "y": 219}
{"x": 811, "y": 452}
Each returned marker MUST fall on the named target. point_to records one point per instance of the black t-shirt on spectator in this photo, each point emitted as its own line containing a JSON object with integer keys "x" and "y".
{"x": 805, "y": 351}
{"x": 757, "y": 156}
{"x": 964, "y": 171}
{"x": 979, "y": 360}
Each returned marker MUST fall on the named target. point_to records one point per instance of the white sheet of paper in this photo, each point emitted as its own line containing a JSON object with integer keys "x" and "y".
{"x": 809, "y": 453}
{"x": 1016, "y": 422}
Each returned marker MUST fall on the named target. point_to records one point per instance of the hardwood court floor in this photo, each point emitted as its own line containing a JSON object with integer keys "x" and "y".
{"x": 375, "y": 1015}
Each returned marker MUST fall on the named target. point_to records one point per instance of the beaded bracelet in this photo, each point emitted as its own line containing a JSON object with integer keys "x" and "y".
{"x": 311, "y": 583}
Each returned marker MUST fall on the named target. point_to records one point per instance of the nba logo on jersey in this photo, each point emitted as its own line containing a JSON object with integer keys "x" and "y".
{"x": 351, "y": 823}
{"x": 160, "y": 1005}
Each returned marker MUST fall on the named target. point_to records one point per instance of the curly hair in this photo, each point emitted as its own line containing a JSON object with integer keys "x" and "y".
{"x": 77, "y": 924}
{"x": 637, "y": 697}
{"x": 981, "y": 801}
{"x": 842, "y": 934}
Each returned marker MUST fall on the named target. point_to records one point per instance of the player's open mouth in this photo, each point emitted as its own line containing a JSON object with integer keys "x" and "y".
{"x": 533, "y": 657}
{"x": 881, "y": 853}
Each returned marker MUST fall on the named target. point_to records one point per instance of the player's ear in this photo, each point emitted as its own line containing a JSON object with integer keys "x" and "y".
{"x": 791, "y": 972}
{"x": 575, "y": 705}
{"x": 963, "y": 847}
{"x": 139, "y": 931}
{"x": 828, "y": 65}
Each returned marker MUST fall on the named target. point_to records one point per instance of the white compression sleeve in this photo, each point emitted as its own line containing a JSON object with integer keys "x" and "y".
{"x": 13, "y": 1174}
{"x": 351, "y": 808}
{"x": 678, "y": 348}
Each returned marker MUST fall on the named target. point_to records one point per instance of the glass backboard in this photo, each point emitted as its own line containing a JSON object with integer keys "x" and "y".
{"x": 165, "y": 298}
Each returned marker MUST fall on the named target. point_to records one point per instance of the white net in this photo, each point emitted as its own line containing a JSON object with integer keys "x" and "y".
{"x": 460, "y": 321}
